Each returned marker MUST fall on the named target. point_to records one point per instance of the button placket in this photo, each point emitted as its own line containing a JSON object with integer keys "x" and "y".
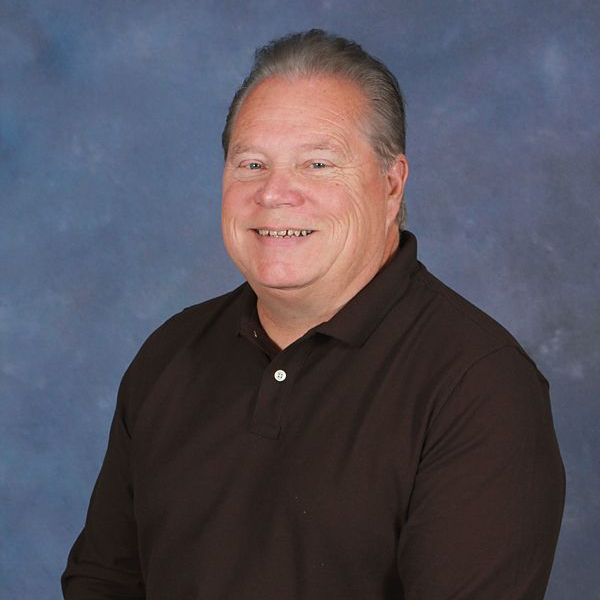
{"x": 275, "y": 388}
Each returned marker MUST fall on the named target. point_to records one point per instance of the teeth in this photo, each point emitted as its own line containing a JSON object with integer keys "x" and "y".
{"x": 284, "y": 232}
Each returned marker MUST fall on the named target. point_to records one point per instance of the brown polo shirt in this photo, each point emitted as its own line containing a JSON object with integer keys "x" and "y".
{"x": 402, "y": 450}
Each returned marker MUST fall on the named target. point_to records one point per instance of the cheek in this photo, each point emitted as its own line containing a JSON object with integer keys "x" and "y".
{"x": 230, "y": 220}
{"x": 239, "y": 198}
{"x": 233, "y": 205}
{"x": 360, "y": 203}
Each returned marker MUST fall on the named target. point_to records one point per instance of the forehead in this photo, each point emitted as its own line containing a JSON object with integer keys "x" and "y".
{"x": 302, "y": 105}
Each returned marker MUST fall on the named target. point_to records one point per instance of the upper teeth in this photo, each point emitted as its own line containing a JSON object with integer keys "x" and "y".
{"x": 284, "y": 232}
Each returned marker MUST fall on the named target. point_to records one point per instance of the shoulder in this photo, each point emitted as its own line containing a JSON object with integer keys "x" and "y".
{"x": 184, "y": 326}
{"x": 461, "y": 315}
{"x": 162, "y": 345}
{"x": 449, "y": 335}
{"x": 491, "y": 388}
{"x": 462, "y": 323}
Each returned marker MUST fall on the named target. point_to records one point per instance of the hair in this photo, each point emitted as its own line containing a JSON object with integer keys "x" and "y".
{"x": 316, "y": 52}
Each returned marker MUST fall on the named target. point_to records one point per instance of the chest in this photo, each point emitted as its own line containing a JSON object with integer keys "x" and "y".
{"x": 312, "y": 452}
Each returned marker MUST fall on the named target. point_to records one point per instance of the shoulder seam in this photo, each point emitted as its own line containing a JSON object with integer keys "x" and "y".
{"x": 469, "y": 367}
{"x": 421, "y": 279}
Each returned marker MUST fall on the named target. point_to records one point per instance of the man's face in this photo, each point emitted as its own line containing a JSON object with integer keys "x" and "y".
{"x": 307, "y": 206}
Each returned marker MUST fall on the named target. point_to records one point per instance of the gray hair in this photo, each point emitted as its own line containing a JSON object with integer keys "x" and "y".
{"x": 317, "y": 52}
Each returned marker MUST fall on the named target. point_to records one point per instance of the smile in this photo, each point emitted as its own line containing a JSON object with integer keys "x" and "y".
{"x": 283, "y": 233}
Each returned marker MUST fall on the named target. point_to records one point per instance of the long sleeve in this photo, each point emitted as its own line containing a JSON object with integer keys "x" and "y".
{"x": 487, "y": 503}
{"x": 103, "y": 562}
{"x": 105, "y": 559}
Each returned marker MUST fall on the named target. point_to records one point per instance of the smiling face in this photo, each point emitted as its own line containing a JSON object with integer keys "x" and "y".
{"x": 307, "y": 206}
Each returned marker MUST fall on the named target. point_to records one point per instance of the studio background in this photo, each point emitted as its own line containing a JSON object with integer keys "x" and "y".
{"x": 110, "y": 162}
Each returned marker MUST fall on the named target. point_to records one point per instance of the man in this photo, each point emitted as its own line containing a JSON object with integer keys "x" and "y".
{"x": 342, "y": 426}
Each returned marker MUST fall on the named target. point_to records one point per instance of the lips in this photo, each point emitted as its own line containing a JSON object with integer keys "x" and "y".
{"x": 283, "y": 233}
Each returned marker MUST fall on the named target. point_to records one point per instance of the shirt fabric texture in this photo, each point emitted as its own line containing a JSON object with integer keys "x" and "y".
{"x": 402, "y": 450}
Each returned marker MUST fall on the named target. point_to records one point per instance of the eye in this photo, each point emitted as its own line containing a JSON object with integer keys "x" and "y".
{"x": 250, "y": 165}
{"x": 317, "y": 164}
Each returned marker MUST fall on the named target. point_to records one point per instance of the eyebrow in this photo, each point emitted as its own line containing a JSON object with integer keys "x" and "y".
{"x": 317, "y": 145}
{"x": 239, "y": 149}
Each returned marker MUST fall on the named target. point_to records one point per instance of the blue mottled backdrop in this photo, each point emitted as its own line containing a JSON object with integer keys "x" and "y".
{"x": 110, "y": 117}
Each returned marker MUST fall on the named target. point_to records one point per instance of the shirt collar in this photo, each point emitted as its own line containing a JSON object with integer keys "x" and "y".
{"x": 355, "y": 321}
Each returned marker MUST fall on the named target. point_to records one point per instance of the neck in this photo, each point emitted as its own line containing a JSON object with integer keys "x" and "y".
{"x": 287, "y": 314}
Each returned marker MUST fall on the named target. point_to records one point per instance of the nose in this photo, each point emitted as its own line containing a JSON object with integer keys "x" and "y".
{"x": 279, "y": 189}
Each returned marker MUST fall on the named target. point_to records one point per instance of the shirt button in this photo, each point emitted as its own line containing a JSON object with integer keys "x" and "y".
{"x": 280, "y": 375}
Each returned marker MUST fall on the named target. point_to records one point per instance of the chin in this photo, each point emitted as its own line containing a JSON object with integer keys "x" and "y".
{"x": 279, "y": 285}
{"x": 275, "y": 282}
